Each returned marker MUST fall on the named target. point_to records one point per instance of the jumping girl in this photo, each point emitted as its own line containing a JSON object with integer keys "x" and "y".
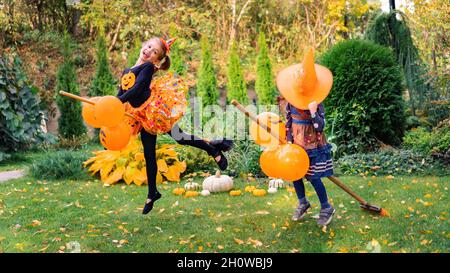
{"x": 135, "y": 90}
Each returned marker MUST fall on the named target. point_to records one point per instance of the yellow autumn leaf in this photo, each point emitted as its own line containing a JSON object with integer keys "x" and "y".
{"x": 115, "y": 176}
{"x": 159, "y": 178}
{"x": 139, "y": 156}
{"x": 128, "y": 175}
{"x": 162, "y": 165}
{"x": 172, "y": 174}
{"x": 105, "y": 170}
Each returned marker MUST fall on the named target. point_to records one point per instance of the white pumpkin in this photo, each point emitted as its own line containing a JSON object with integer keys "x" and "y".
{"x": 218, "y": 183}
{"x": 191, "y": 186}
{"x": 276, "y": 183}
{"x": 205, "y": 193}
{"x": 272, "y": 190}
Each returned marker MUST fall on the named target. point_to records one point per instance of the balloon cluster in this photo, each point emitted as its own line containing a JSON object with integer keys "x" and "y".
{"x": 108, "y": 114}
{"x": 289, "y": 162}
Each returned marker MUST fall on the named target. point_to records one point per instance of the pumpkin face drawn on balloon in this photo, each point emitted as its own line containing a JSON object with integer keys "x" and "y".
{"x": 128, "y": 80}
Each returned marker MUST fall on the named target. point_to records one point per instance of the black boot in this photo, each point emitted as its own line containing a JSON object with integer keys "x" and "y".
{"x": 149, "y": 206}
{"x": 223, "y": 162}
{"x": 223, "y": 144}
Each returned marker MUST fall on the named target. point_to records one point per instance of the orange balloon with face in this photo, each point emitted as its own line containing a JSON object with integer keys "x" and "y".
{"x": 115, "y": 138}
{"x": 292, "y": 162}
{"x": 264, "y": 138}
{"x": 87, "y": 113}
{"x": 109, "y": 111}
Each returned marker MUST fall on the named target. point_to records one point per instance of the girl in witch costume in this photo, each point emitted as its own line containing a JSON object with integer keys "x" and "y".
{"x": 135, "y": 92}
{"x": 302, "y": 86}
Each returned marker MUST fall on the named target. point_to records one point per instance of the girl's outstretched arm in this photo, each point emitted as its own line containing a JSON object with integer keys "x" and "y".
{"x": 143, "y": 81}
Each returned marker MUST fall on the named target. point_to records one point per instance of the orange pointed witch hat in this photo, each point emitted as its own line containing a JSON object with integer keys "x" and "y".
{"x": 300, "y": 84}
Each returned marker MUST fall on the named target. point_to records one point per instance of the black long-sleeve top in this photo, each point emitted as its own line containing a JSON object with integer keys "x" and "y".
{"x": 135, "y": 84}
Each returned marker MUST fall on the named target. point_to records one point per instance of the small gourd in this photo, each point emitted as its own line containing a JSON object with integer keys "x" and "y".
{"x": 259, "y": 192}
{"x": 218, "y": 183}
{"x": 272, "y": 190}
{"x": 205, "y": 193}
{"x": 250, "y": 189}
{"x": 191, "y": 194}
{"x": 178, "y": 191}
{"x": 276, "y": 183}
{"x": 235, "y": 193}
{"x": 191, "y": 186}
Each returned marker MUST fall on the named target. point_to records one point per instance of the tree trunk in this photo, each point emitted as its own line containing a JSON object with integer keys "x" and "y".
{"x": 116, "y": 33}
{"x": 391, "y": 4}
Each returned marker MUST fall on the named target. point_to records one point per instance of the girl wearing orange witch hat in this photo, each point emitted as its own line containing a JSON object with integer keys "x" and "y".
{"x": 305, "y": 86}
{"x": 156, "y": 107}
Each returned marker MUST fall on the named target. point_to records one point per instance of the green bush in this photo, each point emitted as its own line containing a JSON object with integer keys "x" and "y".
{"x": 196, "y": 159}
{"x": 366, "y": 94}
{"x": 206, "y": 79}
{"x": 4, "y": 156}
{"x": 103, "y": 83}
{"x": 244, "y": 158}
{"x": 60, "y": 165}
{"x": 428, "y": 142}
{"x": 236, "y": 85}
{"x": 20, "y": 114}
{"x": 70, "y": 123}
{"x": 264, "y": 85}
{"x": 392, "y": 162}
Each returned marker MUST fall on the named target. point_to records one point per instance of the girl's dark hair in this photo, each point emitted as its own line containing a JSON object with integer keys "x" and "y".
{"x": 166, "y": 64}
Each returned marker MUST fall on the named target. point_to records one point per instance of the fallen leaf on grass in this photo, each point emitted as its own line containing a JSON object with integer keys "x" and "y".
{"x": 262, "y": 212}
{"x": 238, "y": 241}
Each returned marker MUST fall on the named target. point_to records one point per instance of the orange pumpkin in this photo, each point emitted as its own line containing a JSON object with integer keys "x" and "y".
{"x": 235, "y": 193}
{"x": 259, "y": 192}
{"x": 115, "y": 138}
{"x": 178, "y": 191}
{"x": 191, "y": 194}
{"x": 87, "y": 113}
{"x": 109, "y": 111}
{"x": 264, "y": 138}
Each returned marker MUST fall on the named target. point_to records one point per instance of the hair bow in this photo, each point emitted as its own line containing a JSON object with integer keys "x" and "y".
{"x": 167, "y": 44}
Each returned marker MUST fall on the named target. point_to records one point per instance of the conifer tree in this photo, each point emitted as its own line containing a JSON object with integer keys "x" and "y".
{"x": 236, "y": 85}
{"x": 70, "y": 123}
{"x": 104, "y": 82}
{"x": 264, "y": 85}
{"x": 206, "y": 81}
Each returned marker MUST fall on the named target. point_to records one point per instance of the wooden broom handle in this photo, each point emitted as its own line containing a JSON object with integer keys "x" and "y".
{"x": 333, "y": 179}
{"x": 255, "y": 119}
{"x": 70, "y": 95}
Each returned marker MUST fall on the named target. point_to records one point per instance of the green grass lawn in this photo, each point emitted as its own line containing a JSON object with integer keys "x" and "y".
{"x": 39, "y": 216}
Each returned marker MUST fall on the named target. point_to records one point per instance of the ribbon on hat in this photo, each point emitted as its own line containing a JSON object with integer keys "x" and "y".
{"x": 167, "y": 44}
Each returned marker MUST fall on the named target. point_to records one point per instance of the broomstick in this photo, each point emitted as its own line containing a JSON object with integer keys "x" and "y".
{"x": 70, "y": 95}
{"x": 363, "y": 203}
{"x": 224, "y": 144}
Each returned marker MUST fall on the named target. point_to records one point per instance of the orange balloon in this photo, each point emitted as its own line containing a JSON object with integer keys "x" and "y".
{"x": 88, "y": 113}
{"x": 109, "y": 111}
{"x": 115, "y": 138}
{"x": 292, "y": 162}
{"x": 267, "y": 161}
{"x": 264, "y": 138}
